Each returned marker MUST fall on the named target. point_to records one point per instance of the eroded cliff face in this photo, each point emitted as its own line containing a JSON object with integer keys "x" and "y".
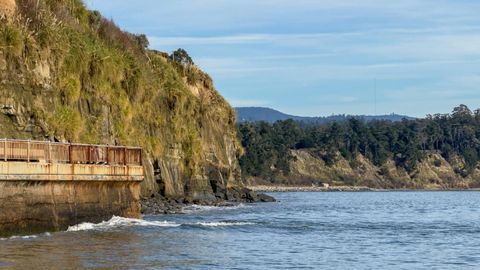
{"x": 68, "y": 74}
{"x": 433, "y": 172}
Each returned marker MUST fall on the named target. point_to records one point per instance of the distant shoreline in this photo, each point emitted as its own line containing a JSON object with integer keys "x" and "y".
{"x": 265, "y": 188}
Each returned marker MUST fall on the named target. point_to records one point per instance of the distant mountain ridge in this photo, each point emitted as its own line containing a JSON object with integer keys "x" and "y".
{"x": 256, "y": 114}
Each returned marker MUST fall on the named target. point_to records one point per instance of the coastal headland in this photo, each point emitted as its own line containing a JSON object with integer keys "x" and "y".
{"x": 69, "y": 74}
{"x": 50, "y": 186}
{"x": 280, "y": 188}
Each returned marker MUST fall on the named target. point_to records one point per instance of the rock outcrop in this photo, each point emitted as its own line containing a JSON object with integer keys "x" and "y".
{"x": 68, "y": 74}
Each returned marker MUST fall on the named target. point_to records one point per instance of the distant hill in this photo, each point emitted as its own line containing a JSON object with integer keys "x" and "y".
{"x": 255, "y": 114}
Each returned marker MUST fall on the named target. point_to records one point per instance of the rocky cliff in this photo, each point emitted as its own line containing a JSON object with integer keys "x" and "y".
{"x": 68, "y": 74}
{"x": 433, "y": 172}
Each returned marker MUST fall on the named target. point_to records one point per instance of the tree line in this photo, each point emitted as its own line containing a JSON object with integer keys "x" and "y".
{"x": 457, "y": 134}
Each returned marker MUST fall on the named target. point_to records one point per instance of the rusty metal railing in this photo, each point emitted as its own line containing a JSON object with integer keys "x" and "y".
{"x": 38, "y": 151}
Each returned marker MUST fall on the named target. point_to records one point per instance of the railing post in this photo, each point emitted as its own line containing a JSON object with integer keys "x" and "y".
{"x": 5, "y": 149}
{"x": 124, "y": 156}
{"x": 49, "y": 153}
{"x": 28, "y": 151}
{"x": 69, "y": 153}
{"x": 108, "y": 160}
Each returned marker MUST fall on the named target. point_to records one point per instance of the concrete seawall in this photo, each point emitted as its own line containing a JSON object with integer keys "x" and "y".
{"x": 39, "y": 197}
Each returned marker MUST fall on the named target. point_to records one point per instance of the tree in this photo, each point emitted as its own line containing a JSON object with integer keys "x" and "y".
{"x": 462, "y": 114}
{"x": 181, "y": 56}
{"x": 433, "y": 133}
{"x": 142, "y": 41}
{"x": 268, "y": 147}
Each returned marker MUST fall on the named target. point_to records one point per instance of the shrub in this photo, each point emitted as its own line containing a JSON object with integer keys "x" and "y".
{"x": 181, "y": 57}
{"x": 113, "y": 35}
{"x": 11, "y": 39}
{"x": 66, "y": 122}
{"x": 31, "y": 10}
{"x": 71, "y": 90}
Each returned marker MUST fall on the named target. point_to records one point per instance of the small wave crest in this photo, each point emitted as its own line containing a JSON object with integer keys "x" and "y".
{"x": 25, "y": 236}
{"x": 195, "y": 208}
{"x": 119, "y": 222}
{"x": 223, "y": 223}
{"x": 116, "y": 222}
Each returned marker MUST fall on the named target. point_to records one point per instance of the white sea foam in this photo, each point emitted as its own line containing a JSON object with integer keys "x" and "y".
{"x": 195, "y": 208}
{"x": 120, "y": 222}
{"x": 116, "y": 222}
{"x": 223, "y": 223}
{"x": 25, "y": 236}
{"x": 19, "y": 237}
{"x": 198, "y": 208}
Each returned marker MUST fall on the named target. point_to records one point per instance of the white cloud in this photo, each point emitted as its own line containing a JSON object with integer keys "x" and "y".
{"x": 425, "y": 51}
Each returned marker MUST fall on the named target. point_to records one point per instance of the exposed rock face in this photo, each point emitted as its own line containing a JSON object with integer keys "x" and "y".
{"x": 32, "y": 207}
{"x": 71, "y": 75}
{"x": 433, "y": 172}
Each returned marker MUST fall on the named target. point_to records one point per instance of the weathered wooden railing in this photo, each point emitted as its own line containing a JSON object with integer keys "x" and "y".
{"x": 38, "y": 151}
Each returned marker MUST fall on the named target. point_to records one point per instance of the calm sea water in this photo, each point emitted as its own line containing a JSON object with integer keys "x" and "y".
{"x": 390, "y": 230}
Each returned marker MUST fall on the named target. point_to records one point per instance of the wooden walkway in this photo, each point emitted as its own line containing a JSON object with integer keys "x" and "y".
{"x": 49, "y": 152}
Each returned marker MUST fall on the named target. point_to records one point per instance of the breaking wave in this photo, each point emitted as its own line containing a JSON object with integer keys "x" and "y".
{"x": 116, "y": 222}
{"x": 120, "y": 222}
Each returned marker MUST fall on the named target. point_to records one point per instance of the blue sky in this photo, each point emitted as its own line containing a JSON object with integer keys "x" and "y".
{"x": 319, "y": 57}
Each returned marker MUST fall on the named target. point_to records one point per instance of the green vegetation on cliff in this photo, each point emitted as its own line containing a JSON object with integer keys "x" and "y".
{"x": 272, "y": 149}
{"x": 69, "y": 74}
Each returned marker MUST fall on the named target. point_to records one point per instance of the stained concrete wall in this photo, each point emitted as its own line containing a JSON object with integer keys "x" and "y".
{"x": 68, "y": 172}
{"x": 50, "y": 202}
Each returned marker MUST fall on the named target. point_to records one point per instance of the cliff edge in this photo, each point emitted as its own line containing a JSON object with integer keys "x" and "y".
{"x": 69, "y": 74}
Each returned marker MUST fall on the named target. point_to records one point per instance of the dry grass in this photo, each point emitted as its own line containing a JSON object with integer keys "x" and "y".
{"x": 7, "y": 8}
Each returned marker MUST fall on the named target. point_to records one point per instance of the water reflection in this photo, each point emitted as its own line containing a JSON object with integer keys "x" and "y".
{"x": 106, "y": 250}
{"x": 310, "y": 231}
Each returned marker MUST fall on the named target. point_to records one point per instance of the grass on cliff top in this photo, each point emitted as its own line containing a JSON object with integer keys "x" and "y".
{"x": 103, "y": 85}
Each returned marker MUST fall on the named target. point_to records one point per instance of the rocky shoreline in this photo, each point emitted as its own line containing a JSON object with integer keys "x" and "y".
{"x": 263, "y": 188}
{"x": 159, "y": 205}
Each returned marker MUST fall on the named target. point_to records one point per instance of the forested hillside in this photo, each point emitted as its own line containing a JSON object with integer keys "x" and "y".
{"x": 257, "y": 114}
{"x": 383, "y": 150}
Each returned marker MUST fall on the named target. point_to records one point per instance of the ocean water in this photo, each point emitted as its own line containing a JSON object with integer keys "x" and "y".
{"x": 370, "y": 230}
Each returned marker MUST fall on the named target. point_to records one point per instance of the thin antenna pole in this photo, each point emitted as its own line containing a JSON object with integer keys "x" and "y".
{"x": 375, "y": 95}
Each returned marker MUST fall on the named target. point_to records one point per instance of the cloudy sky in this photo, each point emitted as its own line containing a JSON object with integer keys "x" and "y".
{"x": 322, "y": 57}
